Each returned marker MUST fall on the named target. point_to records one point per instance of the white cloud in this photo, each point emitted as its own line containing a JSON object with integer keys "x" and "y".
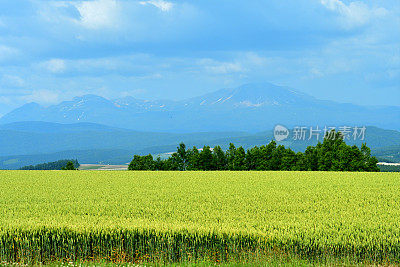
{"x": 5, "y": 100}
{"x": 162, "y": 5}
{"x": 354, "y": 14}
{"x": 134, "y": 92}
{"x": 98, "y": 14}
{"x": 7, "y": 52}
{"x": 315, "y": 73}
{"x": 55, "y": 65}
{"x": 254, "y": 59}
{"x": 216, "y": 67}
{"x": 12, "y": 80}
{"x": 42, "y": 97}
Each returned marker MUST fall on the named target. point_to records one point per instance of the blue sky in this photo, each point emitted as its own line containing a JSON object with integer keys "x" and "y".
{"x": 347, "y": 51}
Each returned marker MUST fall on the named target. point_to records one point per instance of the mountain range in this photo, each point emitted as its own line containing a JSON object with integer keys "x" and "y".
{"x": 94, "y": 129}
{"x": 29, "y": 143}
{"x": 250, "y": 108}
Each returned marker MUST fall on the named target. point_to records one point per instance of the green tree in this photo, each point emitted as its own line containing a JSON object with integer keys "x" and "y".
{"x": 288, "y": 160}
{"x": 239, "y": 162}
{"x": 311, "y": 158}
{"x": 275, "y": 163}
{"x": 268, "y": 152}
{"x": 370, "y": 163}
{"x": 55, "y": 165}
{"x": 148, "y": 163}
{"x": 174, "y": 163}
{"x": 142, "y": 163}
{"x": 181, "y": 157}
{"x": 159, "y": 164}
{"x": 193, "y": 159}
{"x": 253, "y": 158}
{"x": 219, "y": 158}
{"x": 230, "y": 157}
{"x": 69, "y": 166}
{"x": 328, "y": 151}
{"x": 333, "y": 154}
{"x": 206, "y": 162}
{"x": 301, "y": 164}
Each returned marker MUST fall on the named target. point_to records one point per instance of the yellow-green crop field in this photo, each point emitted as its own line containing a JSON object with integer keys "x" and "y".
{"x": 164, "y": 217}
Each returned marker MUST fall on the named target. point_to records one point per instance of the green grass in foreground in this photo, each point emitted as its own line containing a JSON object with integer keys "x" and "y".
{"x": 261, "y": 218}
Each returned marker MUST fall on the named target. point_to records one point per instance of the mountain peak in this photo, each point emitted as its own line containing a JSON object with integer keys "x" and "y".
{"x": 269, "y": 94}
{"x": 29, "y": 111}
{"x": 254, "y": 106}
{"x": 32, "y": 105}
{"x": 90, "y": 97}
{"x": 253, "y": 95}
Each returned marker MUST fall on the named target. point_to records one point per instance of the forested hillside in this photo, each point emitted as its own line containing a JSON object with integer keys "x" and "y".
{"x": 56, "y": 165}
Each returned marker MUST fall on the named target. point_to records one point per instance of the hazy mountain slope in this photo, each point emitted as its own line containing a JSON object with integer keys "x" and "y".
{"x": 42, "y": 137}
{"x": 388, "y": 154}
{"x": 375, "y": 138}
{"x": 38, "y": 142}
{"x": 51, "y": 127}
{"x": 251, "y": 107}
{"x": 251, "y": 95}
{"x": 101, "y": 156}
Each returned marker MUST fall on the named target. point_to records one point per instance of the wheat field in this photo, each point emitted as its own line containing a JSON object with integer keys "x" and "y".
{"x": 169, "y": 217}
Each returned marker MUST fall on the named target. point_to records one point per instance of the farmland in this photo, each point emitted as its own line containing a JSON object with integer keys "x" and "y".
{"x": 198, "y": 216}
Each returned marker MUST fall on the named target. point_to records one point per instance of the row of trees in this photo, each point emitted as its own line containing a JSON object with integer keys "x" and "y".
{"x": 333, "y": 154}
{"x": 64, "y": 164}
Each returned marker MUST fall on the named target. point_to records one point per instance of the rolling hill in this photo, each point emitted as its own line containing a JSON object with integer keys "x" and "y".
{"x": 24, "y": 138}
{"x": 27, "y": 143}
{"x": 98, "y": 130}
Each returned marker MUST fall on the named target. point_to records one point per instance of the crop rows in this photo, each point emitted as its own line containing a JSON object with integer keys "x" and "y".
{"x": 195, "y": 216}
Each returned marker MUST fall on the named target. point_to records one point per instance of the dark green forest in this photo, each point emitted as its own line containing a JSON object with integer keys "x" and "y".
{"x": 55, "y": 165}
{"x": 333, "y": 154}
{"x": 389, "y": 168}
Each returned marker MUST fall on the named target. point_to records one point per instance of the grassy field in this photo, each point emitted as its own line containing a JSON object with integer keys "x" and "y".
{"x": 103, "y": 167}
{"x": 222, "y": 217}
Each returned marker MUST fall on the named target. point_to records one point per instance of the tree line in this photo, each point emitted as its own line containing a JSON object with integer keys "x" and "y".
{"x": 64, "y": 164}
{"x": 333, "y": 154}
{"x": 389, "y": 168}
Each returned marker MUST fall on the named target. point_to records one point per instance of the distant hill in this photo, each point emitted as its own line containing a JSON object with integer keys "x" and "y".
{"x": 54, "y": 165}
{"x": 25, "y": 138}
{"x": 30, "y": 143}
{"x": 389, "y": 168}
{"x": 106, "y": 156}
{"x": 251, "y": 108}
{"x": 49, "y": 127}
{"x": 388, "y": 154}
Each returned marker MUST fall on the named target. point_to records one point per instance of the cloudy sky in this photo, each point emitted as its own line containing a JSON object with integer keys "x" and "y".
{"x": 347, "y": 51}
